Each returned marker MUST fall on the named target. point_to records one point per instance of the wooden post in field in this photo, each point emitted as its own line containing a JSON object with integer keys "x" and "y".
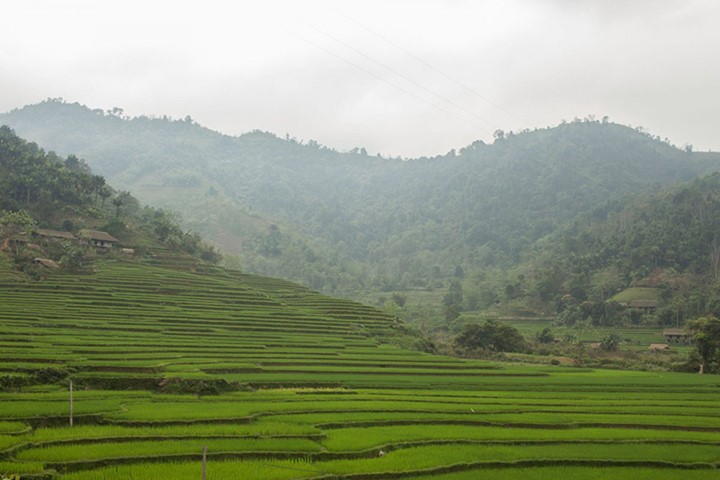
{"x": 204, "y": 462}
{"x": 71, "y": 404}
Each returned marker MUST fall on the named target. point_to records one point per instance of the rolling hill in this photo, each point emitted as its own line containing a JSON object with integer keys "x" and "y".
{"x": 348, "y": 222}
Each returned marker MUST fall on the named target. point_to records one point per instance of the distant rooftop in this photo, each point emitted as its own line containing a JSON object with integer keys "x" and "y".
{"x": 46, "y": 262}
{"x": 98, "y": 235}
{"x": 44, "y": 232}
{"x": 675, "y": 331}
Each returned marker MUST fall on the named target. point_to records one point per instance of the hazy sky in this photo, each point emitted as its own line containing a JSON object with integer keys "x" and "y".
{"x": 406, "y": 77}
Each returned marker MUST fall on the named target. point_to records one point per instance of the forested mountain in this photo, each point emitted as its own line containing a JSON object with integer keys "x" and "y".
{"x": 345, "y": 222}
{"x": 667, "y": 240}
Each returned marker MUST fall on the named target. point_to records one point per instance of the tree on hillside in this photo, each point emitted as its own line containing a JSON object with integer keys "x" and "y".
{"x": 610, "y": 342}
{"x": 492, "y": 335}
{"x": 706, "y": 339}
{"x": 452, "y": 301}
{"x": 105, "y": 192}
{"x": 72, "y": 257}
{"x": 545, "y": 336}
{"x": 12, "y": 224}
{"x": 122, "y": 199}
{"x": 399, "y": 299}
{"x": 270, "y": 244}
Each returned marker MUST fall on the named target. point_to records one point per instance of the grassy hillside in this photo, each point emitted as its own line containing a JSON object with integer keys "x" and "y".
{"x": 207, "y": 325}
{"x": 279, "y": 382}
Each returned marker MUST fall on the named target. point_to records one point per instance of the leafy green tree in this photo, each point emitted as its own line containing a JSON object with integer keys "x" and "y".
{"x": 706, "y": 339}
{"x": 12, "y": 224}
{"x": 105, "y": 192}
{"x": 122, "y": 199}
{"x": 72, "y": 257}
{"x": 399, "y": 299}
{"x": 452, "y": 301}
{"x": 610, "y": 342}
{"x": 270, "y": 244}
{"x": 165, "y": 225}
{"x": 545, "y": 336}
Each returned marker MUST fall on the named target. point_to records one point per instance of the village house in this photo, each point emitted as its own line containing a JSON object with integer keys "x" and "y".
{"x": 99, "y": 239}
{"x": 45, "y": 233}
{"x": 646, "y": 306}
{"x": 677, "y": 336}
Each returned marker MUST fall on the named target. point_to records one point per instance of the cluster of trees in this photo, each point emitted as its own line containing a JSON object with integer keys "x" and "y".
{"x": 492, "y": 336}
{"x": 668, "y": 239}
{"x": 707, "y": 342}
{"x": 30, "y": 176}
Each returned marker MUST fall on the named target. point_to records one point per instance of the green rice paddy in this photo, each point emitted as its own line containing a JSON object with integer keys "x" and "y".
{"x": 278, "y": 382}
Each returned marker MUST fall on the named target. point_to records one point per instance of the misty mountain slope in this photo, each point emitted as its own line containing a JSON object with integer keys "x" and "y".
{"x": 667, "y": 239}
{"x": 349, "y": 220}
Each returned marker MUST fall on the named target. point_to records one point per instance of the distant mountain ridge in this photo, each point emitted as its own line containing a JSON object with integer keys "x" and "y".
{"x": 344, "y": 222}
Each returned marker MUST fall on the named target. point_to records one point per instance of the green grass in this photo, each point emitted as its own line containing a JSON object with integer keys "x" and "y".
{"x": 301, "y": 374}
{"x": 153, "y": 448}
{"x": 93, "y": 432}
{"x": 8, "y": 468}
{"x": 576, "y": 473}
{"x": 30, "y": 408}
{"x": 224, "y": 470}
{"x": 12, "y": 427}
{"x": 371, "y": 437}
{"x": 419, "y": 458}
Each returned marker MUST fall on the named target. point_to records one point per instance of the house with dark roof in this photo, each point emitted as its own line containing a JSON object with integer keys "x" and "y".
{"x": 647, "y": 306}
{"x": 56, "y": 234}
{"x": 677, "y": 336}
{"x": 99, "y": 239}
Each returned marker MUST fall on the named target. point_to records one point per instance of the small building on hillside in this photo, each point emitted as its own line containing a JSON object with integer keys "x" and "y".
{"x": 99, "y": 239}
{"x": 659, "y": 347}
{"x": 54, "y": 234}
{"x": 647, "y": 306}
{"x": 678, "y": 336}
{"x": 639, "y": 299}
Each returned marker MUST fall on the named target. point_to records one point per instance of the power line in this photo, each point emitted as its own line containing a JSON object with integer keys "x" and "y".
{"x": 404, "y": 77}
{"x": 432, "y": 67}
{"x": 437, "y": 107}
{"x": 443, "y": 74}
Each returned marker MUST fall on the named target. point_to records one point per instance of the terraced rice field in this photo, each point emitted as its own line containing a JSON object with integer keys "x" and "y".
{"x": 278, "y": 382}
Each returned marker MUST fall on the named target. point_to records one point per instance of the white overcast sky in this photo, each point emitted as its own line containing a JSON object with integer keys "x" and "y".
{"x": 399, "y": 77}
